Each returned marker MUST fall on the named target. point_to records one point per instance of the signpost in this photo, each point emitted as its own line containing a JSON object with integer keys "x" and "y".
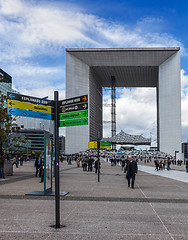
{"x": 74, "y": 111}
{"x": 74, "y": 122}
{"x": 66, "y": 113}
{"x": 29, "y": 113}
{"x": 27, "y": 106}
{"x": 56, "y": 131}
{"x": 25, "y": 98}
{"x": 75, "y": 100}
{"x": 99, "y": 145}
{"x": 106, "y": 145}
{"x": 92, "y": 144}
{"x": 75, "y": 107}
{"x": 77, "y": 114}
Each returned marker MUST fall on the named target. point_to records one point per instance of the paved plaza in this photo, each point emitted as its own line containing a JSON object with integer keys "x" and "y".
{"x": 157, "y": 209}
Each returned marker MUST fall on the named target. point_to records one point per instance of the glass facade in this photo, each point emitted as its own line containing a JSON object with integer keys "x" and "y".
{"x": 36, "y": 137}
{"x": 5, "y": 82}
{"x": 185, "y": 149}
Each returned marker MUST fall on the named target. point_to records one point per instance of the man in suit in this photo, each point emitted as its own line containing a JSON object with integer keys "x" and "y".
{"x": 131, "y": 169}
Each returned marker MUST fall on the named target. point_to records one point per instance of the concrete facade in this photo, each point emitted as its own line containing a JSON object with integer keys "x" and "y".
{"x": 77, "y": 83}
{"x": 169, "y": 108}
{"x": 89, "y": 70}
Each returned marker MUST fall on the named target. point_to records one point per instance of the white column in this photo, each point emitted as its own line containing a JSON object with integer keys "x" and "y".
{"x": 77, "y": 84}
{"x": 169, "y": 100}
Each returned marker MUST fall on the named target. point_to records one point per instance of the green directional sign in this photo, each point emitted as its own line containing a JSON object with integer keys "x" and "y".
{"x": 74, "y": 122}
{"x": 73, "y": 115}
{"x": 105, "y": 145}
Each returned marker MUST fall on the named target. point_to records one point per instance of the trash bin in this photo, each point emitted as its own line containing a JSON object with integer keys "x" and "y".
{"x": 8, "y": 168}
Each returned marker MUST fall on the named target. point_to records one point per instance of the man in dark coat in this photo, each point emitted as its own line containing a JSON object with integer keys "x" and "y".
{"x": 38, "y": 163}
{"x": 90, "y": 164}
{"x": 131, "y": 169}
{"x": 96, "y": 166}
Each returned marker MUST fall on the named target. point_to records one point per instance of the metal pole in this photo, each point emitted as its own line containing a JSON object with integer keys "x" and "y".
{"x": 56, "y": 132}
{"x": 98, "y": 148}
{"x": 113, "y": 109}
{"x": 27, "y": 148}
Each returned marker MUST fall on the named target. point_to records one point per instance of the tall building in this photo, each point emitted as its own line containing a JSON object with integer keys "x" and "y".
{"x": 61, "y": 144}
{"x": 5, "y": 82}
{"x": 36, "y": 138}
{"x": 89, "y": 70}
{"x": 33, "y": 123}
{"x": 185, "y": 149}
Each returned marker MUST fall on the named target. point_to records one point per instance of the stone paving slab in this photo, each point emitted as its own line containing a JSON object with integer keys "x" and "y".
{"x": 105, "y": 210}
{"x": 87, "y": 219}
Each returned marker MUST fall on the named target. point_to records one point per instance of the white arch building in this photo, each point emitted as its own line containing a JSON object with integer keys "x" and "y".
{"x": 88, "y": 70}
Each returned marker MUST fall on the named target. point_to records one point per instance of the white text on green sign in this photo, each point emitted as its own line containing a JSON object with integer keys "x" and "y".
{"x": 72, "y": 115}
{"x": 74, "y": 122}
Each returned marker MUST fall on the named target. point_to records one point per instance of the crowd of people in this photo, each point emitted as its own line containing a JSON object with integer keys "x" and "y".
{"x": 84, "y": 160}
{"x": 89, "y": 160}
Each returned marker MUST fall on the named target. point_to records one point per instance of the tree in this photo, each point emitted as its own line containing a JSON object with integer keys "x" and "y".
{"x": 7, "y": 126}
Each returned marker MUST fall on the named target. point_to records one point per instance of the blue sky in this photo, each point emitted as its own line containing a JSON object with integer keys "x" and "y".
{"x": 34, "y": 35}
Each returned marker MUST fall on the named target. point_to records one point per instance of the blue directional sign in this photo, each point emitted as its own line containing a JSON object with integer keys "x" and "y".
{"x": 28, "y": 113}
{"x": 28, "y": 106}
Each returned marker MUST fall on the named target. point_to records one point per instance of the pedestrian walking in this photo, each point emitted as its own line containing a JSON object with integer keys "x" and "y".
{"x": 131, "y": 169}
{"x": 97, "y": 164}
{"x": 90, "y": 164}
{"x": 38, "y": 163}
{"x": 123, "y": 164}
{"x": 156, "y": 164}
{"x": 84, "y": 165}
{"x": 42, "y": 169}
{"x": 78, "y": 162}
{"x": 168, "y": 164}
{"x": 15, "y": 161}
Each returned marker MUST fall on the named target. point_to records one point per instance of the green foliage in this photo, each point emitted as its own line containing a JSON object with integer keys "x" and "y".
{"x": 8, "y": 127}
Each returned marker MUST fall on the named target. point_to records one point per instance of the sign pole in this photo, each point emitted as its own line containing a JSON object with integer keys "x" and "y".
{"x": 56, "y": 131}
{"x": 98, "y": 148}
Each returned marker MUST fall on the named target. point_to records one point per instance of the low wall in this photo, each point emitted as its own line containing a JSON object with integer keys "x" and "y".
{"x": 8, "y": 168}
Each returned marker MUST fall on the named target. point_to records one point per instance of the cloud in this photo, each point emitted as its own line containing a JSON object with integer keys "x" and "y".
{"x": 136, "y": 112}
{"x": 28, "y": 30}
{"x": 184, "y": 102}
{"x": 34, "y": 35}
{"x": 35, "y": 79}
{"x": 44, "y": 92}
{"x": 31, "y": 30}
